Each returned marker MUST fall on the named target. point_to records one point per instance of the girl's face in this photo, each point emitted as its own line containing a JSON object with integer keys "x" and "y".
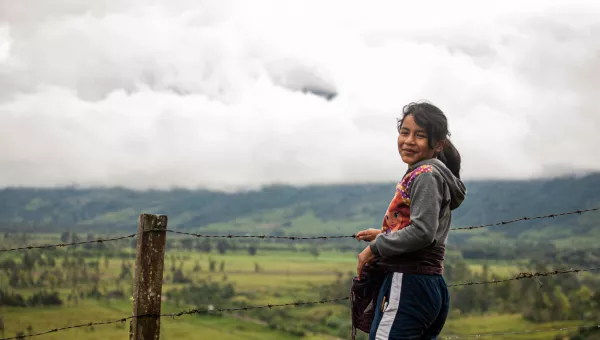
{"x": 412, "y": 142}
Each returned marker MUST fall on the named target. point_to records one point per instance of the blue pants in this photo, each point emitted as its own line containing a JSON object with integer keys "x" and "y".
{"x": 415, "y": 307}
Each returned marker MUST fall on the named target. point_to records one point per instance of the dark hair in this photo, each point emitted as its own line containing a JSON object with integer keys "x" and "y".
{"x": 433, "y": 120}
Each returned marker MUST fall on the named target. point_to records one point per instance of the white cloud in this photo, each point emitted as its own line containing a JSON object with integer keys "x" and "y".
{"x": 204, "y": 93}
{"x": 4, "y": 42}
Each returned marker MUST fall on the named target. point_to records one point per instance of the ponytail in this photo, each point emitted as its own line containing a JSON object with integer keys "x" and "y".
{"x": 450, "y": 157}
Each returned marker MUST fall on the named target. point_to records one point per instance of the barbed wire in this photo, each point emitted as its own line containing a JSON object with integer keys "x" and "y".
{"x": 261, "y": 236}
{"x": 520, "y": 276}
{"x": 527, "y": 275}
{"x": 581, "y": 328}
{"x": 69, "y": 244}
{"x": 178, "y": 314}
{"x": 290, "y": 304}
{"x": 89, "y": 324}
{"x": 580, "y": 211}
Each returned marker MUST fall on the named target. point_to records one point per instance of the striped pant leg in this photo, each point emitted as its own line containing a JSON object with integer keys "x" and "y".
{"x": 408, "y": 306}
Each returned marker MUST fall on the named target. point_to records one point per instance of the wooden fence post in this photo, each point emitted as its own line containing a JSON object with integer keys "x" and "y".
{"x": 149, "y": 264}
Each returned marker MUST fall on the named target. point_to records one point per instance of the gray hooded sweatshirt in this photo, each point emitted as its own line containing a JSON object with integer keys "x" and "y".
{"x": 420, "y": 246}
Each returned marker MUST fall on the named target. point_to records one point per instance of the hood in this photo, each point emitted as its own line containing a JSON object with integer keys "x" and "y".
{"x": 458, "y": 190}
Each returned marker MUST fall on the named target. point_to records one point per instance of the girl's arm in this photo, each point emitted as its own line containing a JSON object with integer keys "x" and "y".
{"x": 426, "y": 194}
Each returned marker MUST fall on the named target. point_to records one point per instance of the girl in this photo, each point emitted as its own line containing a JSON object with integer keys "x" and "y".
{"x": 413, "y": 299}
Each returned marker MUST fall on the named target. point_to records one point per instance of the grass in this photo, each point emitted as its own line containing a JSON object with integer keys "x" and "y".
{"x": 283, "y": 277}
{"x": 503, "y": 324}
{"x": 277, "y": 269}
{"x": 229, "y": 328}
{"x": 192, "y": 327}
{"x": 273, "y": 219}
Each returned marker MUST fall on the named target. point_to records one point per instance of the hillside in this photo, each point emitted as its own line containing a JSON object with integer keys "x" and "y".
{"x": 333, "y": 209}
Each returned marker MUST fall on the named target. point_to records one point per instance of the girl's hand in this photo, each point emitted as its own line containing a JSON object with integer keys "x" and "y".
{"x": 367, "y": 235}
{"x": 366, "y": 256}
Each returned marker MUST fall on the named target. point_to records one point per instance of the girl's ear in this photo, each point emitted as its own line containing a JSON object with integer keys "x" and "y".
{"x": 439, "y": 146}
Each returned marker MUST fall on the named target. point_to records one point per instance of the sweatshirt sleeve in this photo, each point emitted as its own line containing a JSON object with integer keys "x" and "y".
{"x": 426, "y": 193}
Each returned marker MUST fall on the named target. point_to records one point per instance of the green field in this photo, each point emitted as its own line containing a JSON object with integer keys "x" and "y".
{"x": 282, "y": 277}
{"x": 493, "y": 324}
{"x": 189, "y": 327}
{"x": 228, "y": 328}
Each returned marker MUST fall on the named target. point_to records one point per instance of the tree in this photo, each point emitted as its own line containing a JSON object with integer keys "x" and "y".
{"x": 75, "y": 238}
{"x": 187, "y": 243}
{"x": 448, "y": 270}
{"x": 465, "y": 299}
{"x": 561, "y": 306}
{"x": 222, "y": 246}
{"x": 176, "y": 296}
{"x": 485, "y": 291}
{"x": 28, "y": 261}
{"x": 204, "y": 246}
{"x": 65, "y": 237}
{"x": 89, "y": 237}
{"x": 179, "y": 277}
{"x": 461, "y": 271}
{"x": 125, "y": 271}
{"x": 15, "y": 279}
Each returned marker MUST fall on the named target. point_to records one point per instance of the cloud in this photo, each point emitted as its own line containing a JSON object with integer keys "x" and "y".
{"x": 229, "y": 94}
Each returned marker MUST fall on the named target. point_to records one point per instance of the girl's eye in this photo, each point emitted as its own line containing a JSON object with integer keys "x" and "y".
{"x": 421, "y": 136}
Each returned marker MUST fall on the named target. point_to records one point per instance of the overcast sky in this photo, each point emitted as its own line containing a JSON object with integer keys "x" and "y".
{"x": 181, "y": 93}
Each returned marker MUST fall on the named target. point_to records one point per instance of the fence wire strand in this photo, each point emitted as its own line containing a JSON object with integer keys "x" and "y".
{"x": 526, "y": 218}
{"x": 261, "y": 236}
{"x": 174, "y": 315}
{"x": 290, "y": 304}
{"x": 50, "y": 246}
{"x": 89, "y": 324}
{"x": 527, "y": 275}
{"x": 579, "y": 212}
{"x": 520, "y": 276}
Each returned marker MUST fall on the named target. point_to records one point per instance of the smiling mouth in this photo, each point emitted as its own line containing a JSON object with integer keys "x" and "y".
{"x": 409, "y": 151}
